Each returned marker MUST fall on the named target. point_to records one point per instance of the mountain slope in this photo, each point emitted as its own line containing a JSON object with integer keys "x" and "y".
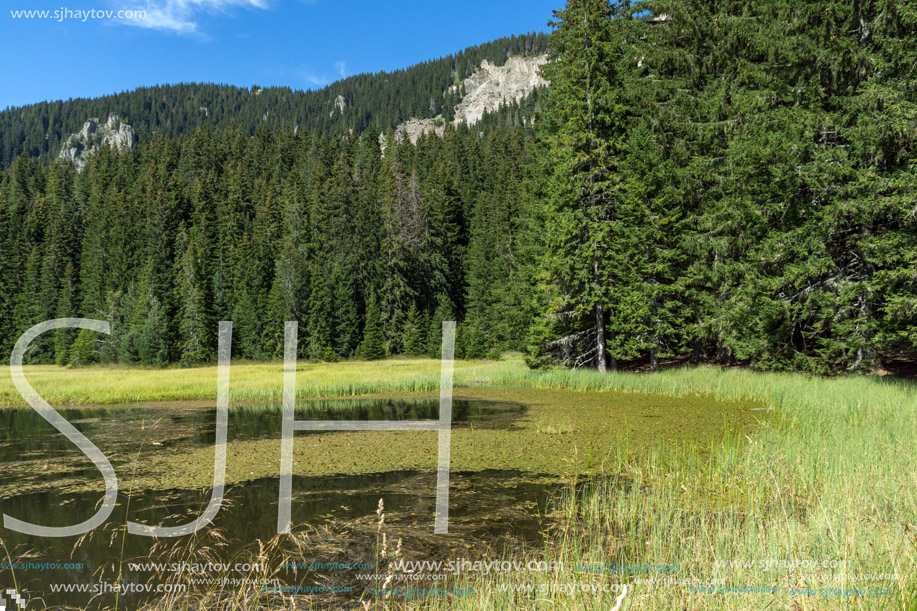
{"x": 491, "y": 89}
{"x": 383, "y": 101}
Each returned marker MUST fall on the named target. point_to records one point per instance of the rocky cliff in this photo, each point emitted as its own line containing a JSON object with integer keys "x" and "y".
{"x": 493, "y": 86}
{"x": 489, "y": 88}
{"x": 113, "y": 132}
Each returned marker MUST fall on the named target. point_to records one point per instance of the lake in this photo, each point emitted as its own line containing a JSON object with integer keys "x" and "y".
{"x": 47, "y": 481}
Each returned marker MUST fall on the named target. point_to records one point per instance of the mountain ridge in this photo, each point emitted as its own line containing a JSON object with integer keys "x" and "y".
{"x": 379, "y": 101}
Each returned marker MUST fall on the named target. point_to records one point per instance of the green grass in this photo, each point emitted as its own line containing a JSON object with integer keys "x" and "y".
{"x": 830, "y": 477}
{"x": 249, "y": 381}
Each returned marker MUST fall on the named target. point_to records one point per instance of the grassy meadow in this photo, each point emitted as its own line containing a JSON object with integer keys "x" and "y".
{"x": 249, "y": 381}
{"x": 829, "y": 478}
{"x": 827, "y": 475}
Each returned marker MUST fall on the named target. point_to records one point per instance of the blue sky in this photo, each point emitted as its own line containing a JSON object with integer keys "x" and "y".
{"x": 302, "y": 44}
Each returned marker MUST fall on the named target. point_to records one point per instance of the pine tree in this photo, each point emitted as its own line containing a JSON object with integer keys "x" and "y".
{"x": 765, "y": 217}
{"x": 481, "y": 279}
{"x": 414, "y": 333}
{"x": 404, "y": 245}
{"x": 290, "y": 285}
{"x": 373, "y": 345}
{"x": 83, "y": 352}
{"x": 152, "y": 343}
{"x": 27, "y": 310}
{"x": 581, "y": 132}
{"x": 444, "y": 312}
{"x": 195, "y": 324}
{"x": 8, "y": 288}
{"x": 63, "y": 338}
{"x": 346, "y": 315}
{"x": 320, "y": 323}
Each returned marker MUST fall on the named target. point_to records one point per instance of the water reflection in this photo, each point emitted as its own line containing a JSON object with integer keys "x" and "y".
{"x": 489, "y": 511}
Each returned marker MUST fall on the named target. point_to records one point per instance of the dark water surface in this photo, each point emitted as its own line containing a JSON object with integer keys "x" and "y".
{"x": 489, "y": 511}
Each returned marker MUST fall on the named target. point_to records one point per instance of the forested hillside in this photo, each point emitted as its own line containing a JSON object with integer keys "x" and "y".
{"x": 730, "y": 181}
{"x": 168, "y": 239}
{"x": 382, "y": 100}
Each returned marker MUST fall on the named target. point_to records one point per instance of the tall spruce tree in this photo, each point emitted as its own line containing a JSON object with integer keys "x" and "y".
{"x": 195, "y": 325}
{"x": 414, "y": 332}
{"x": 581, "y": 133}
{"x": 373, "y": 345}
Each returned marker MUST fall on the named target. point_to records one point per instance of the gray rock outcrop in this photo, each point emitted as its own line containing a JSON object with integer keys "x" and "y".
{"x": 489, "y": 88}
{"x": 94, "y": 135}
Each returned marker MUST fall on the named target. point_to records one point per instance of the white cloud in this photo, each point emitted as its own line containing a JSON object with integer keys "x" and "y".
{"x": 315, "y": 80}
{"x": 180, "y": 16}
{"x": 311, "y": 77}
{"x": 321, "y": 78}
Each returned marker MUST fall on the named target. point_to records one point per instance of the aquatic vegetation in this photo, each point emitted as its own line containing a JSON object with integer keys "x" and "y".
{"x": 594, "y": 425}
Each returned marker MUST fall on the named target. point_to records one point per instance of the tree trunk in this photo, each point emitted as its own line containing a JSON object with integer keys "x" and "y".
{"x": 654, "y": 360}
{"x": 601, "y": 355}
{"x": 697, "y": 352}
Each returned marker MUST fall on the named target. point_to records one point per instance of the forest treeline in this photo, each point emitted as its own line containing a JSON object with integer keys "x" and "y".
{"x": 168, "y": 239}
{"x": 715, "y": 179}
{"x": 381, "y": 100}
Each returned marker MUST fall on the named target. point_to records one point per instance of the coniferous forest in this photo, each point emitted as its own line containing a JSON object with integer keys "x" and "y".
{"x": 720, "y": 181}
